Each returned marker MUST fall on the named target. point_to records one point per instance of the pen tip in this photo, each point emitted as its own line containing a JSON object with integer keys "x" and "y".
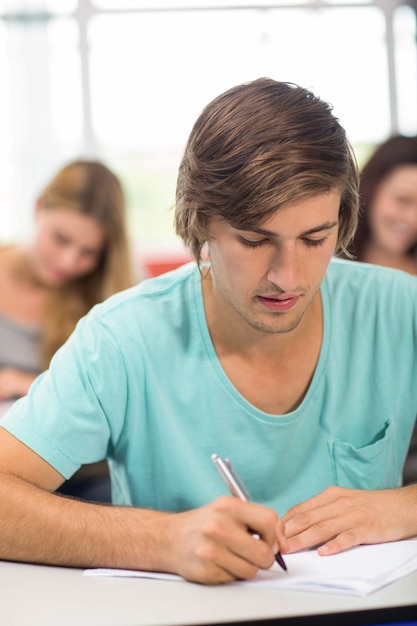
{"x": 281, "y": 561}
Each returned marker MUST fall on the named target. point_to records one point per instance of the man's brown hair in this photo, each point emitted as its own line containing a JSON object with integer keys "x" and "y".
{"x": 256, "y": 148}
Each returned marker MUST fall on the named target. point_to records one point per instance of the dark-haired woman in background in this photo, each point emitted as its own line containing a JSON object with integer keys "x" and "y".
{"x": 387, "y": 230}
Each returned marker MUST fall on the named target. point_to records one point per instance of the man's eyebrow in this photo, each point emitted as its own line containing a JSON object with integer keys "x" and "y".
{"x": 311, "y": 231}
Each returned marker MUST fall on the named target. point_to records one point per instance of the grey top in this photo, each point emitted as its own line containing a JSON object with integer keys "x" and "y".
{"x": 19, "y": 345}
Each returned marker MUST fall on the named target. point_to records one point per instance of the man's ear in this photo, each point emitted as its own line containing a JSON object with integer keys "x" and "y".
{"x": 205, "y": 252}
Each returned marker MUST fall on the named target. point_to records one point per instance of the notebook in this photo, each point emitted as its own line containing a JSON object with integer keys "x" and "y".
{"x": 359, "y": 571}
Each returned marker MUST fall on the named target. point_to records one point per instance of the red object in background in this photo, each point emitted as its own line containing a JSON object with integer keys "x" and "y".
{"x": 155, "y": 264}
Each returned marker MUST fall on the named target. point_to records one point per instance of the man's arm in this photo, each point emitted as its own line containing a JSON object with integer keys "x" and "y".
{"x": 210, "y": 544}
{"x": 339, "y": 518}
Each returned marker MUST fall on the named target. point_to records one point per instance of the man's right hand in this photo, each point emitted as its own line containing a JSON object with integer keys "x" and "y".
{"x": 216, "y": 543}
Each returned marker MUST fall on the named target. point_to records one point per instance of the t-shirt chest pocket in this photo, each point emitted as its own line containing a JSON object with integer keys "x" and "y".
{"x": 371, "y": 466}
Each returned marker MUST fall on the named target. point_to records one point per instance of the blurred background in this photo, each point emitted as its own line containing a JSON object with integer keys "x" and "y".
{"x": 123, "y": 81}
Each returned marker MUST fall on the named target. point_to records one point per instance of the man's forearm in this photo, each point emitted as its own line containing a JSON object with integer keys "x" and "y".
{"x": 210, "y": 544}
{"x": 39, "y": 527}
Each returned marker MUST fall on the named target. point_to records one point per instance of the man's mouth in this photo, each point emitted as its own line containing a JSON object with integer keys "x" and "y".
{"x": 279, "y": 304}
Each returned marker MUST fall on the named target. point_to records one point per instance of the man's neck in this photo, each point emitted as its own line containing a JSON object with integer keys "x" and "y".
{"x": 272, "y": 371}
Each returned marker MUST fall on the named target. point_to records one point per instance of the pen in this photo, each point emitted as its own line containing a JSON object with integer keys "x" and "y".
{"x": 237, "y": 488}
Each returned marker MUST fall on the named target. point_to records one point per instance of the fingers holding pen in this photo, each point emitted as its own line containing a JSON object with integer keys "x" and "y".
{"x": 247, "y": 529}
{"x": 237, "y": 488}
{"x": 219, "y": 540}
{"x": 269, "y": 532}
{"x": 229, "y": 539}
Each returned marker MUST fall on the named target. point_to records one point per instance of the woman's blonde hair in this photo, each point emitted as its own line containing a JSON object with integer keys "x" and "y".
{"x": 255, "y": 148}
{"x": 89, "y": 188}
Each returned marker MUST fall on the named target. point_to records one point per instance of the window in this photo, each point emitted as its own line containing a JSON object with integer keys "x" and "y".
{"x": 123, "y": 81}
{"x": 405, "y": 37}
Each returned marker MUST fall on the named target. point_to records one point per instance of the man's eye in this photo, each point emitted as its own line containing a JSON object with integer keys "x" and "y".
{"x": 253, "y": 244}
{"x": 313, "y": 243}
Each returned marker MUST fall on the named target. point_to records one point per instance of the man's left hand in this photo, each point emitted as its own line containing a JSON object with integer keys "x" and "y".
{"x": 339, "y": 518}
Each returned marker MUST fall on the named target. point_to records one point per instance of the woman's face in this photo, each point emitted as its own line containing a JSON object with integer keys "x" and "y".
{"x": 66, "y": 245}
{"x": 393, "y": 214}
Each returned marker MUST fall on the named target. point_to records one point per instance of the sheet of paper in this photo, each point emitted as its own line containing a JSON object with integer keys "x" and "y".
{"x": 359, "y": 571}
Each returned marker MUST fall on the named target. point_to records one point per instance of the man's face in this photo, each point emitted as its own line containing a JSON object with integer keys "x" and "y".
{"x": 270, "y": 275}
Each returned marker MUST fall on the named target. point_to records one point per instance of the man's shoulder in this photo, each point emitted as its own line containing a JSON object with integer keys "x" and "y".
{"x": 150, "y": 294}
{"x": 367, "y": 292}
{"x": 359, "y": 275}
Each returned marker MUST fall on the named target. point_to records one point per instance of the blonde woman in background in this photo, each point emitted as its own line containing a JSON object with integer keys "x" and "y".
{"x": 77, "y": 255}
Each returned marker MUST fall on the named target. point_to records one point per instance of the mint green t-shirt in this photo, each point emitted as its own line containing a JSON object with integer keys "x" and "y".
{"x": 139, "y": 382}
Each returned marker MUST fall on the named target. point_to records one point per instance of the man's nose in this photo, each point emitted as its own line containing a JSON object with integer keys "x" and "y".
{"x": 283, "y": 268}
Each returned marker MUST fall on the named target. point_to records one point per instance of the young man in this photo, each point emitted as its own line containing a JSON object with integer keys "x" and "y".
{"x": 298, "y": 367}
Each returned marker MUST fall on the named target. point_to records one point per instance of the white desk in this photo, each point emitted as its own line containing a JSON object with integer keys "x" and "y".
{"x": 36, "y": 595}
